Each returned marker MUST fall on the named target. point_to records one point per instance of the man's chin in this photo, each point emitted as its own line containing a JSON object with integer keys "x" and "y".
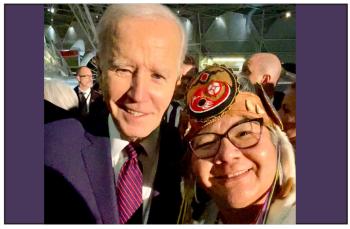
{"x": 133, "y": 133}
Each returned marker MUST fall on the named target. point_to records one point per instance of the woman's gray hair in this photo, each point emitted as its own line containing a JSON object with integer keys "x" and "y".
{"x": 286, "y": 159}
{"x": 245, "y": 84}
{"x": 115, "y": 13}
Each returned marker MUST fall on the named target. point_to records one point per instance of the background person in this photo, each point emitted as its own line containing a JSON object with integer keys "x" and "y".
{"x": 83, "y": 90}
{"x": 288, "y": 114}
{"x": 91, "y": 105}
{"x": 263, "y": 68}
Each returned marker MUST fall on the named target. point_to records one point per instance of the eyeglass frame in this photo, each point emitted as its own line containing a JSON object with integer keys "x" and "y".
{"x": 87, "y": 75}
{"x": 225, "y": 135}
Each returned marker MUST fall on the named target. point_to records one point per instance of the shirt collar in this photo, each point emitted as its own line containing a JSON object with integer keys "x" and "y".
{"x": 86, "y": 92}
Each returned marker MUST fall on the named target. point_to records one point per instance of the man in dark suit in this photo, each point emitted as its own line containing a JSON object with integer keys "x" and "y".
{"x": 89, "y": 174}
{"x": 91, "y": 105}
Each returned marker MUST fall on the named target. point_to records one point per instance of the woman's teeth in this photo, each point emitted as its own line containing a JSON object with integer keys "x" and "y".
{"x": 237, "y": 173}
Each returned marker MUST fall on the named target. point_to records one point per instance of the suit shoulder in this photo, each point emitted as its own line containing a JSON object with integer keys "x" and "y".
{"x": 63, "y": 132}
{"x": 69, "y": 124}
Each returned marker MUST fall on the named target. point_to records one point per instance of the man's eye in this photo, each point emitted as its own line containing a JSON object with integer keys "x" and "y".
{"x": 205, "y": 144}
{"x": 123, "y": 70}
{"x": 157, "y": 76}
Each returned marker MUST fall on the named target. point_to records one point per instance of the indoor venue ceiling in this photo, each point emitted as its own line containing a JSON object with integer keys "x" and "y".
{"x": 63, "y": 16}
{"x": 215, "y": 29}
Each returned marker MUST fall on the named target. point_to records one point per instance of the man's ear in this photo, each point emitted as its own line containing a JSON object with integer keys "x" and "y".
{"x": 266, "y": 79}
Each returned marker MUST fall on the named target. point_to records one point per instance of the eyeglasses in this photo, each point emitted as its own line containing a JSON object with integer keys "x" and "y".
{"x": 85, "y": 76}
{"x": 244, "y": 134}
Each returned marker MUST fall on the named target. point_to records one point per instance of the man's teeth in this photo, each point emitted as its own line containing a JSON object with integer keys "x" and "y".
{"x": 134, "y": 113}
{"x": 237, "y": 173}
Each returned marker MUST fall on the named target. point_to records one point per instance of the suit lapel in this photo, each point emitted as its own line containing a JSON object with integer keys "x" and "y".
{"x": 97, "y": 159}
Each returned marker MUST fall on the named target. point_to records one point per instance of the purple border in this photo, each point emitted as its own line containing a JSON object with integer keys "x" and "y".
{"x": 24, "y": 51}
{"x": 322, "y": 113}
{"x": 322, "y": 131}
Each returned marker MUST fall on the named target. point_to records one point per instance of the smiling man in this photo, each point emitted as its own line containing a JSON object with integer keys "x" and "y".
{"x": 127, "y": 172}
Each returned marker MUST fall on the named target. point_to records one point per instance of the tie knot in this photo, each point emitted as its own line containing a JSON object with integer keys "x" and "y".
{"x": 131, "y": 150}
{"x": 81, "y": 94}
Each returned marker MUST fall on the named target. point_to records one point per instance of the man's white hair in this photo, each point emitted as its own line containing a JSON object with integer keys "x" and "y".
{"x": 116, "y": 12}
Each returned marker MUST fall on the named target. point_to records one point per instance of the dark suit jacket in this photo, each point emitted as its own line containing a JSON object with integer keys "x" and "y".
{"x": 95, "y": 99}
{"x": 79, "y": 179}
{"x": 97, "y": 111}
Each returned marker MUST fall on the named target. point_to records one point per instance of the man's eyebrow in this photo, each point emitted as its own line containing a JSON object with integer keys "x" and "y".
{"x": 116, "y": 62}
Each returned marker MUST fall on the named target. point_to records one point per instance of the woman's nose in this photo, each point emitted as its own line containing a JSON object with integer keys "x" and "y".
{"x": 227, "y": 152}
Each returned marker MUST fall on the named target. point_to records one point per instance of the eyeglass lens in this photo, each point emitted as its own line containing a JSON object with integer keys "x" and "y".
{"x": 242, "y": 136}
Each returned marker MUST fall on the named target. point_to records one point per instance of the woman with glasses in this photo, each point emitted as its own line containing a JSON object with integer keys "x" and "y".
{"x": 237, "y": 154}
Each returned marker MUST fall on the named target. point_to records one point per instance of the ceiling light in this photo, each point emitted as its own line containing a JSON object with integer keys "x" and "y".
{"x": 228, "y": 59}
{"x": 288, "y": 14}
{"x": 52, "y": 10}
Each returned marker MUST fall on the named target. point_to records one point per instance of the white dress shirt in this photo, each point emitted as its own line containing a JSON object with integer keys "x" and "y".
{"x": 149, "y": 161}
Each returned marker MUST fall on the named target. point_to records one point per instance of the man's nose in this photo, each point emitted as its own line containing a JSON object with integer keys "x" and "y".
{"x": 227, "y": 152}
{"x": 138, "y": 87}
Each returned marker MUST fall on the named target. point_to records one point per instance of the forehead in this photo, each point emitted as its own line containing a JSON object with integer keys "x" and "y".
{"x": 155, "y": 36}
{"x": 84, "y": 70}
{"x": 222, "y": 124}
{"x": 163, "y": 31}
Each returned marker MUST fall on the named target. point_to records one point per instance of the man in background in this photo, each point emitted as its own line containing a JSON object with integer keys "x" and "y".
{"x": 263, "y": 68}
{"x": 86, "y": 94}
{"x": 91, "y": 106}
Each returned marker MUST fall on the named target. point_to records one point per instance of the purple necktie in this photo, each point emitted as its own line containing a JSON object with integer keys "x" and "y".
{"x": 129, "y": 186}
